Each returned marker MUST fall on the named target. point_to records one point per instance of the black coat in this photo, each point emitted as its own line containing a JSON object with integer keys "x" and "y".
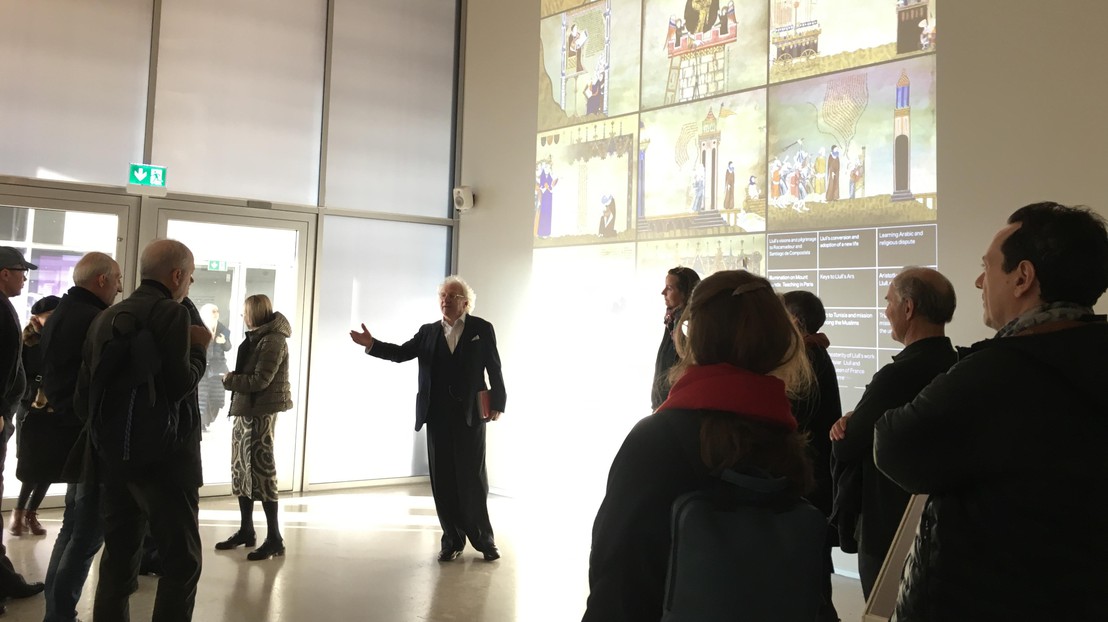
{"x": 663, "y": 362}
{"x": 62, "y": 339}
{"x": 1010, "y": 447}
{"x": 13, "y": 382}
{"x": 182, "y": 367}
{"x": 32, "y": 366}
{"x": 658, "y": 462}
{"x": 878, "y": 500}
{"x": 815, "y": 414}
{"x": 631, "y": 537}
{"x": 476, "y": 346}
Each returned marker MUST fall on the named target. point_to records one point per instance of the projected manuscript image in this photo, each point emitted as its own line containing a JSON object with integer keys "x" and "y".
{"x": 811, "y": 37}
{"x": 589, "y": 65}
{"x": 693, "y": 49}
{"x": 796, "y": 139}
{"x": 852, "y": 148}
{"x": 701, "y": 167}
{"x": 584, "y": 183}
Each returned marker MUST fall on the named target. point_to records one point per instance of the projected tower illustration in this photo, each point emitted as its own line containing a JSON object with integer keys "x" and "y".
{"x": 902, "y": 140}
{"x": 697, "y": 50}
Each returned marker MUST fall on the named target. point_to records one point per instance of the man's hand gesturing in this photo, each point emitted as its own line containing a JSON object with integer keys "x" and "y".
{"x": 363, "y": 338}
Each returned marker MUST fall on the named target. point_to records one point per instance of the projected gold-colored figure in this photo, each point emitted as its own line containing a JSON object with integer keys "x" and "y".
{"x": 702, "y": 7}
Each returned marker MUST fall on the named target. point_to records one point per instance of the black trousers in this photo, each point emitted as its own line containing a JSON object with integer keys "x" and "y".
{"x": 869, "y": 566}
{"x": 459, "y": 482}
{"x": 9, "y": 578}
{"x": 172, "y": 513}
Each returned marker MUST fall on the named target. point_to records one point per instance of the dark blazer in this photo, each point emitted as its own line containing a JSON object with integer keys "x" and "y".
{"x": 477, "y": 347}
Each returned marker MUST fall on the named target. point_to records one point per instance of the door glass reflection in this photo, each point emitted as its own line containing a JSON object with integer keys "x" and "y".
{"x": 233, "y": 262}
{"x": 54, "y": 240}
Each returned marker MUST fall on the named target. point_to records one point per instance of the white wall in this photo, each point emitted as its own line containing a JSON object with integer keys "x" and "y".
{"x": 1021, "y": 93}
{"x": 1021, "y": 119}
{"x": 498, "y": 154}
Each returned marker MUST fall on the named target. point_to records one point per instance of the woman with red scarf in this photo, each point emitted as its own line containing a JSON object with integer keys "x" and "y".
{"x": 741, "y": 357}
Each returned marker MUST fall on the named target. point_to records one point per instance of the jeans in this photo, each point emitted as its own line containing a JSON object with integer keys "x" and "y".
{"x": 79, "y": 539}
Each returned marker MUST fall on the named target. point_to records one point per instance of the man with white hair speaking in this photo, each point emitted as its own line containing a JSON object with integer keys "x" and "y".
{"x": 454, "y": 354}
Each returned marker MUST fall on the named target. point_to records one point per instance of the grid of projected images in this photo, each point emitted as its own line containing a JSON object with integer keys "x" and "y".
{"x": 792, "y": 138}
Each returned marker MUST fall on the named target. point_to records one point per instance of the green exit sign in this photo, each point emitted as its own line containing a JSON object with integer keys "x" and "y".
{"x": 147, "y": 175}
{"x": 215, "y": 265}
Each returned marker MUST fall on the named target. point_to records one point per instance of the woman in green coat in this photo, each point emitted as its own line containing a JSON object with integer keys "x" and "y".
{"x": 259, "y": 390}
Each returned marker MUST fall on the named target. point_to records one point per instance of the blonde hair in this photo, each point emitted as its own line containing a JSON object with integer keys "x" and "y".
{"x": 257, "y": 311}
{"x": 735, "y": 317}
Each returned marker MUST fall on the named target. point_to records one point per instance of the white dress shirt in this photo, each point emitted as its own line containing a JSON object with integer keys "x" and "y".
{"x": 453, "y": 333}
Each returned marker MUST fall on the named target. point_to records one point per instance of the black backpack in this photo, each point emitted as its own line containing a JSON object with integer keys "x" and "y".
{"x": 131, "y": 423}
{"x": 745, "y": 549}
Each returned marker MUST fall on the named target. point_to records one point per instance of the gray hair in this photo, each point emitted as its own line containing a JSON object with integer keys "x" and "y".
{"x": 92, "y": 266}
{"x": 471, "y": 295}
{"x": 161, "y": 257}
{"x": 929, "y": 290}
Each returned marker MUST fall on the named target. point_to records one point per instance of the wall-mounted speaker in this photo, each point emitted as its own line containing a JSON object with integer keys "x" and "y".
{"x": 463, "y": 198}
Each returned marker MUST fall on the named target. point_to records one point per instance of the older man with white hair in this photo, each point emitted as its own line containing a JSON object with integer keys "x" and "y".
{"x": 454, "y": 355}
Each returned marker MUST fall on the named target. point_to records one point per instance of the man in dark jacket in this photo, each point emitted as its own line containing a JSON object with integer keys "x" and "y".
{"x": 13, "y": 382}
{"x": 815, "y": 413}
{"x": 920, "y": 302}
{"x": 680, "y": 282}
{"x": 166, "y": 491}
{"x": 97, "y": 279}
{"x": 1009, "y": 444}
{"x": 454, "y": 355}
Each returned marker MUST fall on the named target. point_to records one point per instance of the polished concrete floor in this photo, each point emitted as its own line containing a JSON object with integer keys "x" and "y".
{"x": 369, "y": 555}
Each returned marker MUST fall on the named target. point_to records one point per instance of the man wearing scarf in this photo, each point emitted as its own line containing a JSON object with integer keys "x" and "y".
{"x": 1009, "y": 444}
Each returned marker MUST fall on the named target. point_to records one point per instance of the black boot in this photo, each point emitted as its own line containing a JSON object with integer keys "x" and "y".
{"x": 240, "y": 537}
{"x": 269, "y": 548}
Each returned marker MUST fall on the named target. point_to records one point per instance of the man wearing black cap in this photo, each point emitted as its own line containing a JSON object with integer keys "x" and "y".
{"x": 13, "y": 274}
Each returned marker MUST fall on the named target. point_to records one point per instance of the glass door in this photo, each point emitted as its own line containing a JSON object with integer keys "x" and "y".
{"x": 54, "y": 229}
{"x": 251, "y": 252}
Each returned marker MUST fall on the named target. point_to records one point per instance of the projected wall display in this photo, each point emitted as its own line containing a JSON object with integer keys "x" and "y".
{"x": 792, "y": 138}
{"x": 850, "y": 270}
{"x": 590, "y": 62}
{"x": 853, "y": 148}
{"x": 693, "y": 50}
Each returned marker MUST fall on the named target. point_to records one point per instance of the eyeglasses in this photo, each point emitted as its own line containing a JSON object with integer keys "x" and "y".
{"x": 445, "y": 296}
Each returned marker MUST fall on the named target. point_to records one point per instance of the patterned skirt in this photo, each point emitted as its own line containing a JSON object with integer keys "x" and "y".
{"x": 253, "y": 470}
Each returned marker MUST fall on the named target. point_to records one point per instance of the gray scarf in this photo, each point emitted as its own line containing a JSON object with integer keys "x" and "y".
{"x": 1045, "y": 314}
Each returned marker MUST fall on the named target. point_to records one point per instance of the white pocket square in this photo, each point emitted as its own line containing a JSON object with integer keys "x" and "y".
{"x": 475, "y": 338}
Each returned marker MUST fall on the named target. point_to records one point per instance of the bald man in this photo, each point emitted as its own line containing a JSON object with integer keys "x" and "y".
{"x": 164, "y": 490}
{"x": 97, "y": 280}
{"x": 919, "y": 304}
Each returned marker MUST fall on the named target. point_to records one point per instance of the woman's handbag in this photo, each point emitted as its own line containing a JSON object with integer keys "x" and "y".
{"x": 45, "y": 441}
